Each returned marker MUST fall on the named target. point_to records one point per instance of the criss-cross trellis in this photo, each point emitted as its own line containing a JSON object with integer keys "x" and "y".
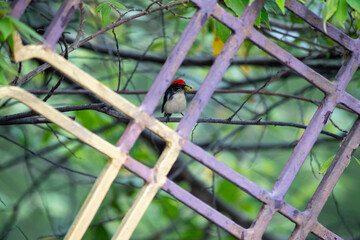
{"x": 177, "y": 141}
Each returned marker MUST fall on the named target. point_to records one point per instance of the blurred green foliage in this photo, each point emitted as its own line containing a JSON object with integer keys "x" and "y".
{"x": 46, "y": 173}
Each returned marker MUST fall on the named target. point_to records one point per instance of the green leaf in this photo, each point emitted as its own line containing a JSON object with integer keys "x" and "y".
{"x": 265, "y": 17}
{"x": 10, "y": 42}
{"x": 356, "y": 77}
{"x": 257, "y": 21}
{"x": 329, "y": 11}
{"x": 105, "y": 13}
{"x": 118, "y": 5}
{"x": 271, "y": 6}
{"x": 358, "y": 24}
{"x": 238, "y": 6}
{"x": 27, "y": 32}
{"x": 355, "y": 4}
{"x": 2, "y": 78}
{"x": 356, "y": 160}
{"x": 326, "y": 165}
{"x": 281, "y": 4}
{"x": 6, "y": 27}
{"x": 100, "y": 6}
{"x": 341, "y": 12}
{"x": 222, "y": 31}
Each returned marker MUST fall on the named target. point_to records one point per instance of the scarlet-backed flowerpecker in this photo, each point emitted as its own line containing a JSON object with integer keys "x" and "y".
{"x": 174, "y": 98}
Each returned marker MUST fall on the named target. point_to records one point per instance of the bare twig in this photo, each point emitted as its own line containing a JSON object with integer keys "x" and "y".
{"x": 116, "y": 24}
{"x": 81, "y": 26}
{"x": 340, "y": 129}
{"x": 257, "y": 90}
{"x": 171, "y": 11}
{"x": 119, "y": 59}
{"x": 138, "y": 62}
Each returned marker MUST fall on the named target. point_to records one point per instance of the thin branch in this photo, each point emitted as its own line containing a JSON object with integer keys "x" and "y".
{"x": 45, "y": 66}
{"x": 138, "y": 62}
{"x": 80, "y": 32}
{"x": 5, "y": 119}
{"x": 3, "y": 202}
{"x": 119, "y": 59}
{"x": 340, "y": 129}
{"x": 171, "y": 11}
{"x": 102, "y": 107}
{"x": 30, "y": 120}
{"x": 208, "y": 61}
{"x": 126, "y": 92}
{"x": 61, "y": 142}
{"x": 277, "y": 76}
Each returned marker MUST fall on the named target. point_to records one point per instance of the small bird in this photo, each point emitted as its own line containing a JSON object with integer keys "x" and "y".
{"x": 174, "y": 98}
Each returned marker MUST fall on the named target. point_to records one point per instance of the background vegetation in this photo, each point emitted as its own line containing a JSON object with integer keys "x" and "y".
{"x": 45, "y": 173}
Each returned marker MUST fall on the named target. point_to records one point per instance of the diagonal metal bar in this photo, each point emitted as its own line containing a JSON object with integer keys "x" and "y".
{"x": 147, "y": 193}
{"x": 176, "y": 57}
{"x": 324, "y": 233}
{"x": 169, "y": 156}
{"x": 341, "y": 160}
{"x": 58, "y": 24}
{"x": 225, "y": 171}
{"x": 203, "y": 209}
{"x": 41, "y": 52}
{"x": 18, "y": 8}
{"x": 350, "y": 102}
{"x": 187, "y": 198}
{"x": 311, "y": 133}
{"x": 292, "y": 62}
{"x": 301, "y": 151}
{"x": 218, "y": 69}
{"x": 315, "y": 21}
{"x": 141, "y": 117}
{"x": 165, "y": 76}
{"x": 108, "y": 174}
{"x": 346, "y": 72}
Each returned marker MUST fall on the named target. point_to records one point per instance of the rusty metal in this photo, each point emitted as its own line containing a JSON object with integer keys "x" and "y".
{"x": 176, "y": 141}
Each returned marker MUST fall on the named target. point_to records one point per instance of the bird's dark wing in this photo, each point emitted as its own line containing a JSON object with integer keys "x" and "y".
{"x": 165, "y": 99}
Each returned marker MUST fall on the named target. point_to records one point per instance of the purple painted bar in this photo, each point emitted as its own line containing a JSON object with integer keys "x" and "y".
{"x": 187, "y": 198}
{"x": 327, "y": 184}
{"x": 315, "y": 21}
{"x": 61, "y": 19}
{"x": 176, "y": 57}
{"x": 130, "y": 135}
{"x": 165, "y": 76}
{"x": 346, "y": 72}
{"x": 322, "y": 232}
{"x": 350, "y": 102}
{"x": 243, "y": 28}
{"x": 226, "y": 18}
{"x": 226, "y": 172}
{"x": 292, "y": 62}
{"x": 138, "y": 169}
{"x": 309, "y": 137}
{"x": 217, "y": 70}
{"x": 18, "y": 8}
{"x": 204, "y": 209}
{"x": 346, "y": 98}
{"x": 298, "y": 217}
{"x": 294, "y": 163}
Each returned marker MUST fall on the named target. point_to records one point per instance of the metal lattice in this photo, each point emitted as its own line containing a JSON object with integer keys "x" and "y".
{"x": 177, "y": 141}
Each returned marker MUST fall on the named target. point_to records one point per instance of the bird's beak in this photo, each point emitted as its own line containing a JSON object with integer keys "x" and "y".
{"x": 189, "y": 88}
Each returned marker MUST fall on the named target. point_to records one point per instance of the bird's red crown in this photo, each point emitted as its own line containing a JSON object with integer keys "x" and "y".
{"x": 179, "y": 81}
